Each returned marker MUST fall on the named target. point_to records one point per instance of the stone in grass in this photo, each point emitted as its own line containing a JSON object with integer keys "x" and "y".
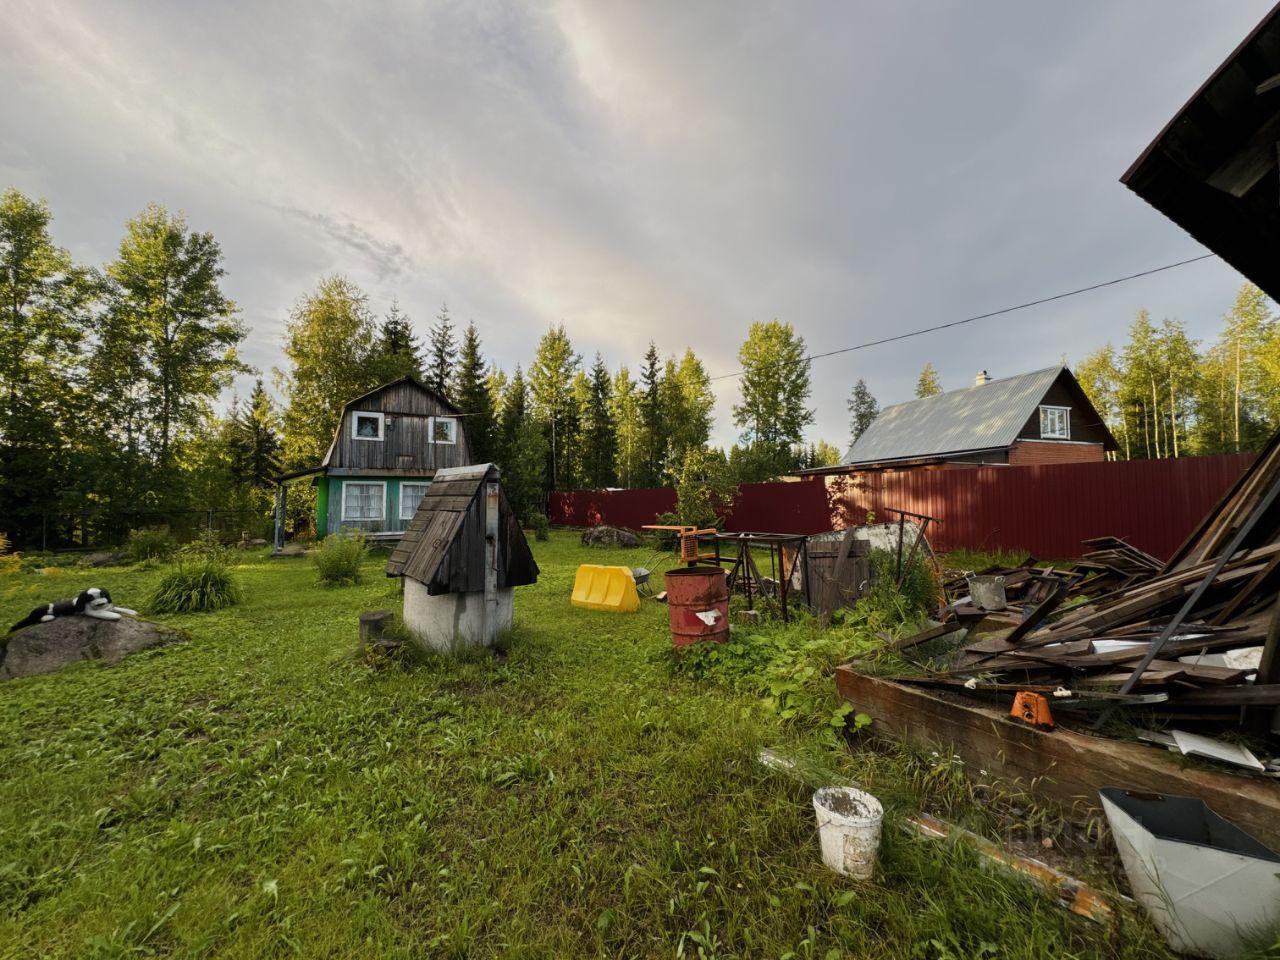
{"x": 45, "y": 647}
{"x": 603, "y": 536}
{"x": 105, "y": 558}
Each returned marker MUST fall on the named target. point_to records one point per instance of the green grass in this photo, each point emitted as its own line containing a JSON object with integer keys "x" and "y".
{"x": 260, "y": 791}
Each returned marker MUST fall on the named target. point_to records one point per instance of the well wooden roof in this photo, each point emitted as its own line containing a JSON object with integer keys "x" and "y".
{"x": 444, "y": 545}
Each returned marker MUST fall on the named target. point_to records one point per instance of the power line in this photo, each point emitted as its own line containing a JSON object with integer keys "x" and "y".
{"x": 993, "y": 313}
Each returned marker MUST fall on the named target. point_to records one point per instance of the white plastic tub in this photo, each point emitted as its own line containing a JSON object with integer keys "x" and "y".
{"x": 849, "y": 830}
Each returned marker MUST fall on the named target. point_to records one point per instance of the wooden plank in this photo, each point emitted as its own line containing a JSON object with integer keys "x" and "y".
{"x": 924, "y": 636}
{"x": 1242, "y": 695}
{"x": 1064, "y": 767}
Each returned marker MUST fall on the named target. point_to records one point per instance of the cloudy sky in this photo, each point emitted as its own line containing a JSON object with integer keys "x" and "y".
{"x": 671, "y": 171}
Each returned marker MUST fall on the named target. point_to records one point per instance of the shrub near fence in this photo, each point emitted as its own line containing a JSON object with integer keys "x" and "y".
{"x": 1047, "y": 509}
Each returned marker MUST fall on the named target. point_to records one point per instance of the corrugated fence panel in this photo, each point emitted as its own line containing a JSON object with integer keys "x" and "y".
{"x": 619, "y": 508}
{"x": 1046, "y": 509}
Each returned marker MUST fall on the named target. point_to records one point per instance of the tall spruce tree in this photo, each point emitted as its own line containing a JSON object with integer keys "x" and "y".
{"x": 442, "y": 353}
{"x": 599, "y": 431}
{"x": 653, "y": 438}
{"x": 472, "y": 396}
{"x": 862, "y": 410}
{"x": 524, "y": 446}
{"x": 253, "y": 439}
{"x": 398, "y": 349}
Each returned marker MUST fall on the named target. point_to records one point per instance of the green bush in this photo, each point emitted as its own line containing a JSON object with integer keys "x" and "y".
{"x": 150, "y": 543}
{"x": 704, "y": 489}
{"x": 886, "y": 604}
{"x": 196, "y": 584}
{"x": 338, "y": 557}
{"x": 540, "y": 525}
{"x": 9, "y": 562}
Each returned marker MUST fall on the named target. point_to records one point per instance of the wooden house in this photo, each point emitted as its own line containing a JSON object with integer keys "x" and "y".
{"x": 1038, "y": 417}
{"x": 387, "y": 448}
{"x": 461, "y": 558}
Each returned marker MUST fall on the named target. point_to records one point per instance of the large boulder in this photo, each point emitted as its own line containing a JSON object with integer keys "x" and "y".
{"x": 603, "y": 536}
{"x": 45, "y": 647}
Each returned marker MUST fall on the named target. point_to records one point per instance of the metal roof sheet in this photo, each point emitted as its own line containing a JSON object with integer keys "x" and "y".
{"x": 975, "y": 418}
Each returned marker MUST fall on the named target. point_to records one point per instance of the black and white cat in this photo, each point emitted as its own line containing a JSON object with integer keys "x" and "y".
{"x": 94, "y": 602}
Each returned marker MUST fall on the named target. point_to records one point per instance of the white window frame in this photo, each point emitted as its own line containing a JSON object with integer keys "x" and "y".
{"x": 453, "y": 431}
{"x": 382, "y": 425}
{"x": 1066, "y": 422}
{"x": 424, "y": 484}
{"x": 381, "y": 518}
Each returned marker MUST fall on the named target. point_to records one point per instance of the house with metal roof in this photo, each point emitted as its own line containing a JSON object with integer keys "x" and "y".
{"x": 1038, "y": 417}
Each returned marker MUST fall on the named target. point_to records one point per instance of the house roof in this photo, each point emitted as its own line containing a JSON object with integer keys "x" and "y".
{"x": 985, "y": 417}
{"x": 444, "y": 545}
{"x": 1212, "y": 169}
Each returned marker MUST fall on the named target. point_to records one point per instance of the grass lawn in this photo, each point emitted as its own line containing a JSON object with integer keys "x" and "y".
{"x": 261, "y": 792}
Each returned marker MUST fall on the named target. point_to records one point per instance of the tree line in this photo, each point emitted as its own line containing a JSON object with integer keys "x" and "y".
{"x": 110, "y": 377}
{"x": 1164, "y": 394}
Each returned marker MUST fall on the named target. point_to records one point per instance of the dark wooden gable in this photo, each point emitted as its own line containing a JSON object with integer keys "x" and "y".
{"x": 406, "y": 407}
{"x": 444, "y": 545}
{"x": 1087, "y": 425}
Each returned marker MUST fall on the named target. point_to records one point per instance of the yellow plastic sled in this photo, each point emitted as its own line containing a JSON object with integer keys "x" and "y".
{"x": 598, "y": 587}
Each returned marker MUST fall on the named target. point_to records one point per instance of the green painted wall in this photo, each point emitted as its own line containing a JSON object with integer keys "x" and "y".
{"x": 330, "y": 489}
{"x": 322, "y": 507}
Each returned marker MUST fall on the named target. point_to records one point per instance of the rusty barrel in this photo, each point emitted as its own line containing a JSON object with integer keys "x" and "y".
{"x": 697, "y": 605}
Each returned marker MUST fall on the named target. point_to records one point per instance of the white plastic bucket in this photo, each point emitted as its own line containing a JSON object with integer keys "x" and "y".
{"x": 848, "y": 829}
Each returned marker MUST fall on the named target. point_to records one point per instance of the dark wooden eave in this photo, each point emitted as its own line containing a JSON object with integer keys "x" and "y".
{"x": 1215, "y": 167}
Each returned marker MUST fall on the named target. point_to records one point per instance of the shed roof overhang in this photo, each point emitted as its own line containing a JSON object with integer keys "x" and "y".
{"x": 1213, "y": 169}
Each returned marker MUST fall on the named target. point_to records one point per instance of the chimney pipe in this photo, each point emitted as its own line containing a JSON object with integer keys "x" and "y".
{"x": 981, "y": 378}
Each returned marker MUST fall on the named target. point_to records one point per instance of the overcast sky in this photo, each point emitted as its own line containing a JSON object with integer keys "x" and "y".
{"x": 670, "y": 171}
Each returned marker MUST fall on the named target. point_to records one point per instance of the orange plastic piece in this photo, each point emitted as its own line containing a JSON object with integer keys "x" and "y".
{"x": 687, "y": 549}
{"x": 1032, "y": 708}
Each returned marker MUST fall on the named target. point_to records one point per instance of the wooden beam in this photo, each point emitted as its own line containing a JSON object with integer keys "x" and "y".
{"x": 1064, "y": 767}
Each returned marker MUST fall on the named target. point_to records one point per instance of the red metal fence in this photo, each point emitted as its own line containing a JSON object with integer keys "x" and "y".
{"x": 1046, "y": 509}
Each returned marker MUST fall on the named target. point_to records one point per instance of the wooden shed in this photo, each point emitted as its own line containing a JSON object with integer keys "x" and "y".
{"x": 461, "y": 558}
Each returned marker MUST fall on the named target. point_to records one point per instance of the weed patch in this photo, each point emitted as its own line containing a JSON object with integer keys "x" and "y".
{"x": 338, "y": 557}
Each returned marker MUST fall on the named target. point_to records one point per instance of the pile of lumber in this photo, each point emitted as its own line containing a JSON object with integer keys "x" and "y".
{"x": 1120, "y": 626}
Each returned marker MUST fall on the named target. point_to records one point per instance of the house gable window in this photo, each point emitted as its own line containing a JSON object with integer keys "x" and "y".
{"x": 1055, "y": 423}
{"x": 410, "y": 497}
{"x": 364, "y": 500}
{"x": 367, "y": 426}
{"x": 444, "y": 430}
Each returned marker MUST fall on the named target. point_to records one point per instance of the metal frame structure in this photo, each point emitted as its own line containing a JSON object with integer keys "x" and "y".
{"x": 743, "y": 569}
